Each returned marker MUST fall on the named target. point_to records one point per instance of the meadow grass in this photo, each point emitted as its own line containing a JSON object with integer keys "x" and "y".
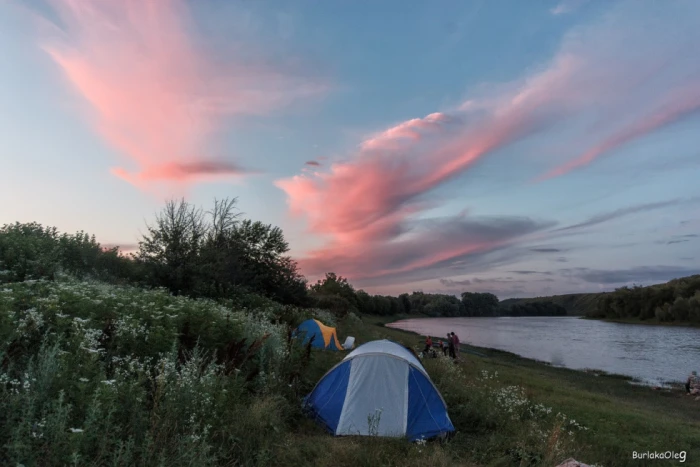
{"x": 94, "y": 374}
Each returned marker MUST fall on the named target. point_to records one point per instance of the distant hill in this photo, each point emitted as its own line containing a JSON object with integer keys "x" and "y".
{"x": 575, "y": 304}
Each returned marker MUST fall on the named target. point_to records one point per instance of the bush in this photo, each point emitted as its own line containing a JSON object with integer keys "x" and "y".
{"x": 31, "y": 251}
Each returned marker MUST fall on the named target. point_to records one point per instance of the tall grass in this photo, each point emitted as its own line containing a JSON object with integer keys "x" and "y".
{"x": 93, "y": 374}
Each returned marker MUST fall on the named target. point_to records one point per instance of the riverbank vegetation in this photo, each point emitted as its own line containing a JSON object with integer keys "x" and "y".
{"x": 675, "y": 301}
{"x": 182, "y": 355}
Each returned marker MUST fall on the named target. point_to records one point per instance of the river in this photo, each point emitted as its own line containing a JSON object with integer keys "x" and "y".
{"x": 652, "y": 354}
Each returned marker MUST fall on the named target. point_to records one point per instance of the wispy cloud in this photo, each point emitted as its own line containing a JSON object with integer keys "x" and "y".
{"x": 643, "y": 274}
{"x": 313, "y": 163}
{"x": 546, "y": 250}
{"x": 683, "y": 104}
{"x": 527, "y": 272}
{"x": 182, "y": 172}
{"x": 671, "y": 242}
{"x": 677, "y": 239}
{"x": 453, "y": 283}
{"x": 567, "y": 6}
{"x": 623, "y": 212}
{"x": 158, "y": 91}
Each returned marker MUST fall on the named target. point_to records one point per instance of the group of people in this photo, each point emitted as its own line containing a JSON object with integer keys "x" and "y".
{"x": 451, "y": 347}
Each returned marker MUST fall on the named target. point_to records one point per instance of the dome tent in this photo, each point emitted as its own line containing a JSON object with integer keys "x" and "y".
{"x": 380, "y": 388}
{"x": 324, "y": 337}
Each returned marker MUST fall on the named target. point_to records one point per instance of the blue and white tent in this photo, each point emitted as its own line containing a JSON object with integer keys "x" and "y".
{"x": 379, "y": 389}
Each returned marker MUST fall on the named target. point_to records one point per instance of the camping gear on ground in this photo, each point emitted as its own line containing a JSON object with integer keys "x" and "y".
{"x": 320, "y": 335}
{"x": 379, "y": 389}
{"x": 349, "y": 343}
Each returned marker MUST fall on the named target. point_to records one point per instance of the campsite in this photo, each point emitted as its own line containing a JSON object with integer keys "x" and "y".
{"x": 164, "y": 400}
{"x": 349, "y": 233}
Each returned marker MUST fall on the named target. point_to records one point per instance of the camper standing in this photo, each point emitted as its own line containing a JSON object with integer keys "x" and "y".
{"x": 692, "y": 386}
{"x": 455, "y": 340}
{"x": 451, "y": 345}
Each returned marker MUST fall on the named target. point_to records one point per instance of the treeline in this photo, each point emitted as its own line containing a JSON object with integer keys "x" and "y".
{"x": 31, "y": 251}
{"x": 574, "y": 304}
{"x": 677, "y": 300}
{"x": 336, "y": 293}
{"x": 191, "y": 252}
{"x": 542, "y": 308}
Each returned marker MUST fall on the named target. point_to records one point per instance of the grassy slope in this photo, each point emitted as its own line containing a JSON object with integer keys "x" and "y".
{"x": 622, "y": 417}
{"x": 575, "y": 304}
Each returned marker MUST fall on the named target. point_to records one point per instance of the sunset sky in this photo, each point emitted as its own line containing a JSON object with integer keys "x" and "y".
{"x": 516, "y": 147}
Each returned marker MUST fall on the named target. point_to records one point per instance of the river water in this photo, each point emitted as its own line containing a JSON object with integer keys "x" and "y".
{"x": 651, "y": 354}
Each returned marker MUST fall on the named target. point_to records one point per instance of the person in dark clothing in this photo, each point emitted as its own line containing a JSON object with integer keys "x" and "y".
{"x": 455, "y": 341}
{"x": 451, "y": 345}
{"x": 692, "y": 385}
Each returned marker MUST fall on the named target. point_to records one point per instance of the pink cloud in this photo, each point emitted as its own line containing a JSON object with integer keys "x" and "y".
{"x": 363, "y": 206}
{"x": 198, "y": 171}
{"x": 679, "y": 106}
{"x": 410, "y": 130}
{"x": 159, "y": 95}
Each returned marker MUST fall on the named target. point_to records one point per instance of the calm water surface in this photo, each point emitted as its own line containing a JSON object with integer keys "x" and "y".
{"x": 653, "y": 354}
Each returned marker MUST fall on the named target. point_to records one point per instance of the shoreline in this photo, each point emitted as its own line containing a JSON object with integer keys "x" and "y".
{"x": 489, "y": 352}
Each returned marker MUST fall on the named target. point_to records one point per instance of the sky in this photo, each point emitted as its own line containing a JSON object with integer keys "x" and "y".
{"x": 517, "y": 148}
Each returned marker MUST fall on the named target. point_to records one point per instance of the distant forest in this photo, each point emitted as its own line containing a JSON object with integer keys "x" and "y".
{"x": 675, "y": 301}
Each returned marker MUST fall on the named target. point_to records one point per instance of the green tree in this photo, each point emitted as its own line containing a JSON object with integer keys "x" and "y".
{"x": 680, "y": 310}
{"x": 336, "y": 285}
{"x": 170, "y": 249}
{"x": 216, "y": 254}
{"x": 694, "y": 308}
